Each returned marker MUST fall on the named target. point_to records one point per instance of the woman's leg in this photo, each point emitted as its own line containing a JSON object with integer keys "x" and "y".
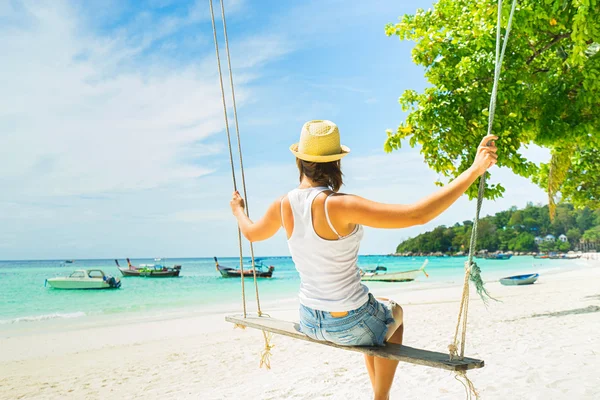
{"x": 384, "y": 377}
{"x": 385, "y": 369}
{"x": 370, "y": 363}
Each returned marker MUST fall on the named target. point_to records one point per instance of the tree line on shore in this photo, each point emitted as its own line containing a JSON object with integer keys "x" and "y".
{"x": 517, "y": 230}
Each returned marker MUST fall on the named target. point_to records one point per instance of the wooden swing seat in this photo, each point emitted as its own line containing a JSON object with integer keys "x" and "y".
{"x": 390, "y": 350}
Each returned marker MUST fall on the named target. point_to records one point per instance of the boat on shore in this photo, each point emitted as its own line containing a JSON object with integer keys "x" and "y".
{"x": 262, "y": 271}
{"x": 85, "y": 279}
{"x": 517, "y": 280}
{"x": 558, "y": 256}
{"x": 149, "y": 270}
{"x": 562, "y": 256}
{"x": 380, "y": 274}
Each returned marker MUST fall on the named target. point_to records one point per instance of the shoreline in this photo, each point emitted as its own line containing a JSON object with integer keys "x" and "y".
{"x": 589, "y": 255}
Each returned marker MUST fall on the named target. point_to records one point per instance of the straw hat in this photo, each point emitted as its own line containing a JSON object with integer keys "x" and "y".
{"x": 319, "y": 142}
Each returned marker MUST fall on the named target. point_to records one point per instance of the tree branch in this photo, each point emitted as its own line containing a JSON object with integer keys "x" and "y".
{"x": 546, "y": 47}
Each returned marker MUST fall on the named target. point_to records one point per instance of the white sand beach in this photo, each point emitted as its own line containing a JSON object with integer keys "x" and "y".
{"x": 539, "y": 342}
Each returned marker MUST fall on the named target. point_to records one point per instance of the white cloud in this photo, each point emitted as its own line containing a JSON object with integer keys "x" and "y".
{"x": 81, "y": 113}
{"x": 98, "y": 134}
{"x": 198, "y": 216}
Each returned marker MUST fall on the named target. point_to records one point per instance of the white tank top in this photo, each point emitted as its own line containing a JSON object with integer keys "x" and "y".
{"x": 329, "y": 275}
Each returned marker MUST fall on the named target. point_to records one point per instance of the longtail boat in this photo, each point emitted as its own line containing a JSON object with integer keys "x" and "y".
{"x": 498, "y": 256}
{"x": 380, "y": 274}
{"x": 149, "y": 270}
{"x": 262, "y": 271}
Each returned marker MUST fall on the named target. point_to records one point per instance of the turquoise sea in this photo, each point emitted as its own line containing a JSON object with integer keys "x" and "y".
{"x": 23, "y": 297}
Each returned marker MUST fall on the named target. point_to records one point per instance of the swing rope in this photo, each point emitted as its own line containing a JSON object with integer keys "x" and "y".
{"x": 472, "y": 271}
{"x": 265, "y": 356}
{"x": 237, "y": 130}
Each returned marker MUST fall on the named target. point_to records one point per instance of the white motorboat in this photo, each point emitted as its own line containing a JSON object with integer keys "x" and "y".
{"x": 380, "y": 274}
{"x": 85, "y": 279}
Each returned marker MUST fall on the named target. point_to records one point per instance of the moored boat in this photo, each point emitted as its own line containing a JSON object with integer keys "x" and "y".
{"x": 380, "y": 274}
{"x": 149, "y": 270}
{"x": 498, "y": 256}
{"x": 85, "y": 279}
{"x": 262, "y": 271}
{"x": 515, "y": 280}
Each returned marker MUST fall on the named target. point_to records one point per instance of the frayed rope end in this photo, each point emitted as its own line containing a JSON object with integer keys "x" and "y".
{"x": 475, "y": 277}
{"x": 470, "y": 389}
{"x": 265, "y": 356}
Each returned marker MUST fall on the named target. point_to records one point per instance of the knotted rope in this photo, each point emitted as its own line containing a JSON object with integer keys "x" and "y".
{"x": 268, "y": 346}
{"x": 472, "y": 271}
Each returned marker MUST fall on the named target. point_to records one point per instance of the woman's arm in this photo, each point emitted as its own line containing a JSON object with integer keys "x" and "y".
{"x": 262, "y": 229}
{"x": 357, "y": 210}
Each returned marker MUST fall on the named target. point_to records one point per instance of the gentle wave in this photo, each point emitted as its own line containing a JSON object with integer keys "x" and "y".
{"x": 43, "y": 317}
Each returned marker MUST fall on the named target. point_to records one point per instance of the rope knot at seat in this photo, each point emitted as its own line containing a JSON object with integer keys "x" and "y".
{"x": 453, "y": 350}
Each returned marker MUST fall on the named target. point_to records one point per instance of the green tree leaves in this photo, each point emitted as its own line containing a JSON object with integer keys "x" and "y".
{"x": 549, "y": 94}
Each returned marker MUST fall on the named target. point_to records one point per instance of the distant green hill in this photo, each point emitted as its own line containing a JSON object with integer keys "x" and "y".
{"x": 514, "y": 230}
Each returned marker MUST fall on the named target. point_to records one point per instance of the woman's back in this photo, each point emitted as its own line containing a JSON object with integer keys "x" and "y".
{"x": 325, "y": 260}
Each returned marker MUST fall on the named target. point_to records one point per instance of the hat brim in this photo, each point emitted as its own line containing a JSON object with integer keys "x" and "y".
{"x": 319, "y": 159}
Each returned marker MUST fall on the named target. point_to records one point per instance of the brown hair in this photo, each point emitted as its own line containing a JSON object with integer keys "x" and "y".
{"x": 327, "y": 174}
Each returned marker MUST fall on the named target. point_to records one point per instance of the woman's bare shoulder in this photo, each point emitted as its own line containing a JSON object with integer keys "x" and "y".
{"x": 344, "y": 197}
{"x": 344, "y": 200}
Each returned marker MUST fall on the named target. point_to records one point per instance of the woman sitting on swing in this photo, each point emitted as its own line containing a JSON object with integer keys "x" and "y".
{"x": 324, "y": 230}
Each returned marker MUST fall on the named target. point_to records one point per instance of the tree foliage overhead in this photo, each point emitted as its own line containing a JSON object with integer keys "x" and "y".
{"x": 549, "y": 93}
{"x": 512, "y": 229}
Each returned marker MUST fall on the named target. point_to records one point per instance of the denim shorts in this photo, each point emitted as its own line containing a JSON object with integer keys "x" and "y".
{"x": 365, "y": 326}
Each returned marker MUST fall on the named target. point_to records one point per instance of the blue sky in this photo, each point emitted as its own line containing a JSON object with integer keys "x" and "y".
{"x": 112, "y": 135}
